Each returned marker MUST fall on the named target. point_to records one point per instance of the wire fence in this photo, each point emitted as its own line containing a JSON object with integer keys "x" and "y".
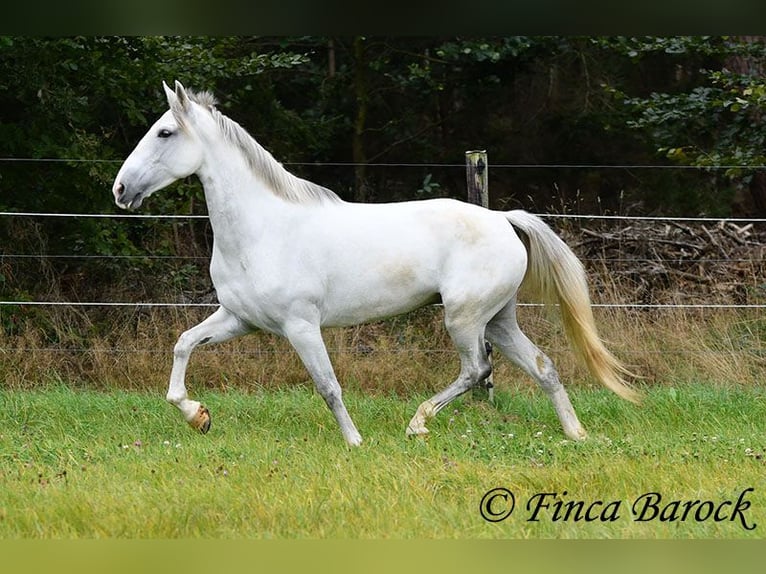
{"x": 150, "y": 304}
{"x": 543, "y": 215}
{"x": 397, "y": 165}
{"x": 718, "y": 167}
{"x": 753, "y": 348}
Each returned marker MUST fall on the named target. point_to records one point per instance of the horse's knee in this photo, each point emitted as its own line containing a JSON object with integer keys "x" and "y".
{"x": 183, "y": 346}
{"x": 476, "y": 377}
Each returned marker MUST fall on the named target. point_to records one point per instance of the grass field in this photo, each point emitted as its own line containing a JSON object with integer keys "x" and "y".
{"x": 79, "y": 463}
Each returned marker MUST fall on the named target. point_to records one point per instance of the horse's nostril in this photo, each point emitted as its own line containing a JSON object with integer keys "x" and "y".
{"x": 118, "y": 190}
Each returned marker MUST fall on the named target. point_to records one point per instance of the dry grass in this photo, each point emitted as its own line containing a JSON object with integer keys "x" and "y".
{"x": 404, "y": 355}
{"x": 131, "y": 348}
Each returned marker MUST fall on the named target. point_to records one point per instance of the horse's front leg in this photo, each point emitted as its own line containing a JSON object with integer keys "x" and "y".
{"x": 306, "y": 339}
{"x": 220, "y": 326}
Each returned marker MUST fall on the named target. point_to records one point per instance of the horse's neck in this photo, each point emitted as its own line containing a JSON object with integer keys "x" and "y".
{"x": 236, "y": 198}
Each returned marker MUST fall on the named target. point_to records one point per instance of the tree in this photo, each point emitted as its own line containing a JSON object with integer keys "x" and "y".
{"x": 334, "y": 108}
{"x": 71, "y": 108}
{"x": 409, "y": 100}
{"x": 711, "y": 114}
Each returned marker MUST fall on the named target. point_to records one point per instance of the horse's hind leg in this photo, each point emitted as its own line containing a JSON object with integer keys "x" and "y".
{"x": 468, "y": 337}
{"x": 220, "y": 326}
{"x": 504, "y": 333}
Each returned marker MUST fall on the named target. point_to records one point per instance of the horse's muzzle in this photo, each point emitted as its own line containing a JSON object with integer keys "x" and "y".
{"x": 118, "y": 190}
{"x": 123, "y": 199}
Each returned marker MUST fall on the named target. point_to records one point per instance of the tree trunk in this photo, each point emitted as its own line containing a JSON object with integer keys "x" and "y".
{"x": 360, "y": 120}
{"x": 758, "y": 193}
{"x": 331, "y": 58}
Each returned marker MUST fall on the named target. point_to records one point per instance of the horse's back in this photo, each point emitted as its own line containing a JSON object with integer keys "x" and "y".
{"x": 385, "y": 259}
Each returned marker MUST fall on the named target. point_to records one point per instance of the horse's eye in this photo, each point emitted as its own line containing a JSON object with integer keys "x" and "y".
{"x": 165, "y": 134}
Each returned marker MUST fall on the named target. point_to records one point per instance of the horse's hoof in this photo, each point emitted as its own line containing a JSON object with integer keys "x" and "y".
{"x": 354, "y": 441}
{"x": 201, "y": 420}
{"x": 421, "y": 431}
{"x": 577, "y": 435}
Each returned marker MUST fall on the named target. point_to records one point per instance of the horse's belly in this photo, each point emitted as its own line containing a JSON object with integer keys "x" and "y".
{"x": 364, "y": 305}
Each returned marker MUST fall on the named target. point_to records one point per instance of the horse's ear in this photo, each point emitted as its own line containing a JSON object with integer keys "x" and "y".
{"x": 178, "y": 101}
{"x": 169, "y": 94}
{"x": 183, "y": 98}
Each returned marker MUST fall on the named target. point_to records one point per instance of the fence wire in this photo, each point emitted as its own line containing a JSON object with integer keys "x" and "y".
{"x": 151, "y": 304}
{"x": 755, "y": 351}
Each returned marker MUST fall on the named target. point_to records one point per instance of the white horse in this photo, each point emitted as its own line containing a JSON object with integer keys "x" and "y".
{"x": 291, "y": 257}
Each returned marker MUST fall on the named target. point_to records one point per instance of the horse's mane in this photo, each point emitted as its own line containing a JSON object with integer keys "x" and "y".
{"x": 281, "y": 182}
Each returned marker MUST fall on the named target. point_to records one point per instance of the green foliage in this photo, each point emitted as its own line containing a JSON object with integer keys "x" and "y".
{"x": 429, "y": 187}
{"x": 89, "y": 99}
{"x": 717, "y": 118}
{"x": 73, "y": 107}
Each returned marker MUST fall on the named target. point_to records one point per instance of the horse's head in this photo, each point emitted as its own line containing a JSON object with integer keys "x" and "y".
{"x": 169, "y": 151}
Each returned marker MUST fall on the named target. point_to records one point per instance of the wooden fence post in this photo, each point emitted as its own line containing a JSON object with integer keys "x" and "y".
{"x": 476, "y": 171}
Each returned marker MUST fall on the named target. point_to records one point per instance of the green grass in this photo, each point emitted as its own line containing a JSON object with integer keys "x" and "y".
{"x": 86, "y": 464}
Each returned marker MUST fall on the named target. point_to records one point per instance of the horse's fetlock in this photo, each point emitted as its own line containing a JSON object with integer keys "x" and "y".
{"x": 484, "y": 372}
{"x": 173, "y": 399}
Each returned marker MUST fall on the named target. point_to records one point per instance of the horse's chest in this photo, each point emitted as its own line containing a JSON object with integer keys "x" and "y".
{"x": 238, "y": 276}
{"x": 252, "y": 289}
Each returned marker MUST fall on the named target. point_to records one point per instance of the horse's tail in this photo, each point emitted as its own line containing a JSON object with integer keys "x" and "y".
{"x": 555, "y": 274}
